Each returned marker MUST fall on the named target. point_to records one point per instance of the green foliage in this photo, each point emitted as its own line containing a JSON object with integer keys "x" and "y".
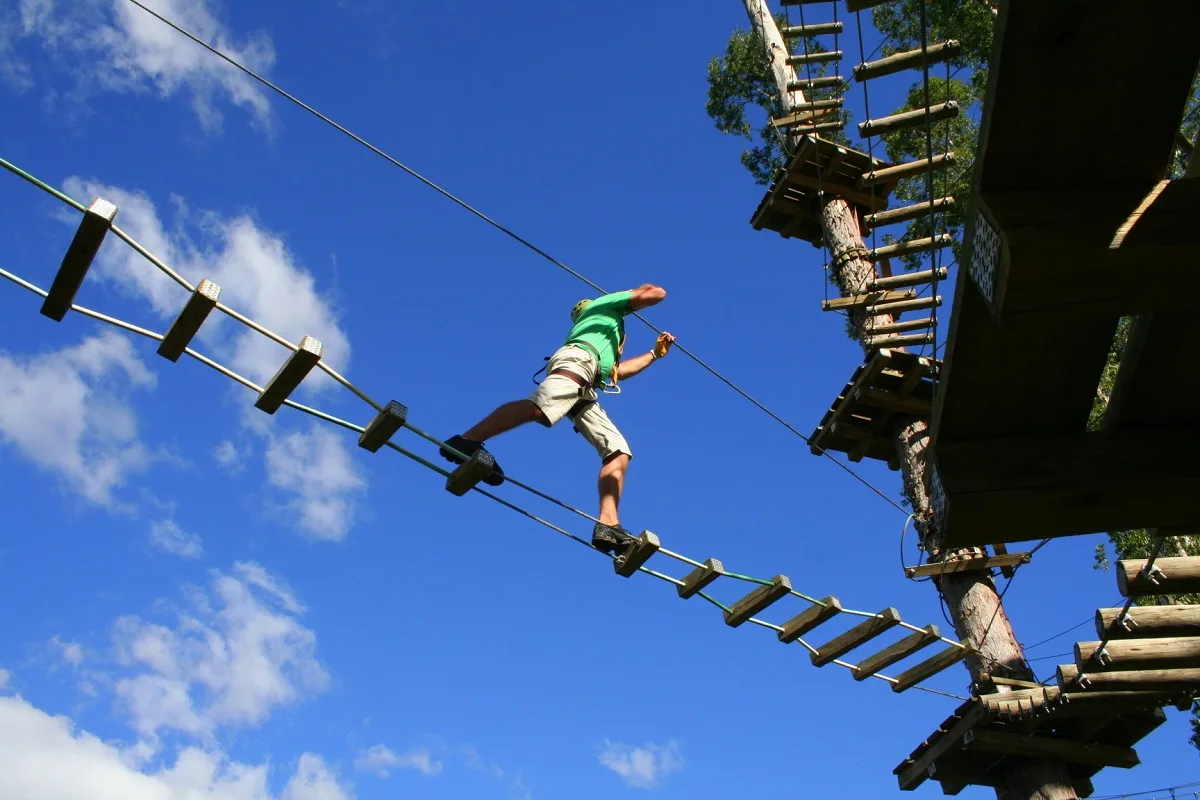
{"x": 971, "y": 22}
{"x": 1190, "y": 130}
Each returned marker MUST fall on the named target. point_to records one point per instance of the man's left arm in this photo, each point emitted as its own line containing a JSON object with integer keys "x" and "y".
{"x": 632, "y": 366}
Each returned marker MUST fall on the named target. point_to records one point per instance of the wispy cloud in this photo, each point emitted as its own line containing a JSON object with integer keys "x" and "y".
{"x": 642, "y": 767}
{"x": 315, "y": 467}
{"x": 5, "y": 675}
{"x": 228, "y": 456}
{"x": 166, "y": 535}
{"x": 70, "y": 652}
{"x": 140, "y": 54}
{"x": 381, "y": 760}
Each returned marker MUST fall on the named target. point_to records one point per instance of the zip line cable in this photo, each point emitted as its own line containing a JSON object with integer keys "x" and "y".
{"x": 507, "y": 232}
{"x": 406, "y": 424}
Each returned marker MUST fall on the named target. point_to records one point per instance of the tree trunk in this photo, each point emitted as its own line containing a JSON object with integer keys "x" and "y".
{"x": 777, "y": 51}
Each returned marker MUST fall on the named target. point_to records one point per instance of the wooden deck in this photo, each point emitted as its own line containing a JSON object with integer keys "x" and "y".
{"x": 1072, "y": 226}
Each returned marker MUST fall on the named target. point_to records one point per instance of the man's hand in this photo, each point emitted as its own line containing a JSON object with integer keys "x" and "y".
{"x": 665, "y": 340}
{"x": 632, "y": 366}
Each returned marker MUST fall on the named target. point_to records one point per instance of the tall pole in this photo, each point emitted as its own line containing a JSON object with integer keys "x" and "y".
{"x": 971, "y": 597}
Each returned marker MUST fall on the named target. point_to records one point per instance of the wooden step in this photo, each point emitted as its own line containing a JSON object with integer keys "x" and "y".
{"x": 758, "y": 600}
{"x": 867, "y": 299}
{"x": 807, "y": 112}
{"x": 911, "y": 246}
{"x": 1001, "y": 743}
{"x": 289, "y": 376}
{"x": 800, "y": 59}
{"x": 187, "y": 324}
{"x": 909, "y": 279}
{"x": 808, "y": 84}
{"x": 816, "y": 29}
{"x": 896, "y": 652}
{"x": 385, "y": 424}
{"x": 1070, "y": 679}
{"x": 905, "y": 213}
{"x": 469, "y": 473}
{"x": 908, "y": 119}
{"x": 806, "y": 620}
{"x": 1168, "y": 652}
{"x": 1177, "y": 575}
{"x": 910, "y": 59}
{"x": 95, "y": 225}
{"x": 967, "y": 565}
{"x": 870, "y": 628}
{"x": 701, "y": 577}
{"x": 647, "y": 544}
{"x": 900, "y": 340}
{"x": 1146, "y": 622}
{"x": 907, "y": 169}
{"x": 820, "y": 127}
{"x": 905, "y": 305}
{"x": 930, "y": 667}
{"x": 897, "y": 327}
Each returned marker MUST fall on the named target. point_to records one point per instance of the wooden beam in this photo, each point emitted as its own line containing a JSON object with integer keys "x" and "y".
{"x": 757, "y": 600}
{"x": 912, "y": 246}
{"x": 96, "y": 222}
{"x": 908, "y": 169}
{"x": 917, "y": 304}
{"x": 289, "y": 376}
{"x": 816, "y": 29}
{"x": 916, "y": 769}
{"x": 905, "y": 340}
{"x": 385, "y": 424}
{"x": 908, "y": 119}
{"x": 859, "y": 634}
{"x": 1177, "y": 575}
{"x": 469, "y": 473}
{"x": 1145, "y": 622}
{"x": 800, "y": 59}
{"x": 1035, "y": 746}
{"x": 1070, "y": 679}
{"x": 931, "y": 666}
{"x": 938, "y": 568}
{"x": 824, "y": 82}
{"x": 1169, "y": 652}
{"x": 699, "y": 578}
{"x": 866, "y": 299}
{"x": 893, "y": 402}
{"x": 187, "y": 324}
{"x": 908, "y": 279}
{"x": 631, "y": 560}
{"x": 899, "y": 327}
{"x": 896, "y": 652}
{"x": 810, "y": 618}
{"x": 910, "y": 59}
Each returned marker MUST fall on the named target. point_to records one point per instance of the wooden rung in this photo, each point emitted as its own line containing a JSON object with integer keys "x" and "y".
{"x": 908, "y": 119}
{"x": 700, "y": 577}
{"x": 905, "y": 213}
{"x": 900, "y": 340}
{"x": 628, "y": 563}
{"x": 470, "y": 472}
{"x": 799, "y": 59}
{"x": 908, "y": 279}
{"x": 859, "y": 634}
{"x": 1145, "y": 680}
{"x": 899, "y": 327}
{"x": 917, "y": 304}
{"x": 907, "y": 170}
{"x": 808, "y": 84}
{"x": 1046, "y": 747}
{"x": 1176, "y": 575}
{"x": 83, "y": 248}
{"x": 868, "y": 299}
{"x": 932, "y": 666}
{"x": 911, "y": 246}
{"x": 1145, "y": 622}
{"x": 881, "y": 398}
{"x": 807, "y": 112}
{"x": 896, "y": 652}
{"x": 757, "y": 600}
{"x": 810, "y": 618}
{"x": 289, "y": 376}
{"x": 817, "y": 29}
{"x": 819, "y": 127}
{"x": 383, "y": 426}
{"x": 967, "y": 565}
{"x": 1168, "y": 652}
{"x": 187, "y": 324}
{"x": 911, "y": 59}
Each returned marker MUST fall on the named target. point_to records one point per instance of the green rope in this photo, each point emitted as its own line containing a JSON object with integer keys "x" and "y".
{"x": 13, "y": 168}
{"x": 747, "y": 578}
{"x": 716, "y": 603}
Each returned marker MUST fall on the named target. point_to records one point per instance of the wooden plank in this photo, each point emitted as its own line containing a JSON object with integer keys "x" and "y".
{"x": 908, "y": 119}
{"x": 910, "y": 59}
{"x": 809, "y": 619}
{"x": 896, "y": 652}
{"x": 899, "y": 327}
{"x": 289, "y": 376}
{"x": 1001, "y": 550}
{"x": 1146, "y": 622}
{"x": 967, "y": 565}
{"x": 911, "y": 246}
{"x": 868, "y": 201}
{"x": 1175, "y": 575}
{"x": 807, "y": 85}
{"x": 908, "y": 279}
{"x": 893, "y": 401}
{"x": 469, "y": 473}
{"x": 815, "y": 29}
{"x": 1168, "y": 652}
{"x": 631, "y": 560}
{"x": 930, "y": 667}
{"x": 699, "y": 578}
{"x": 1035, "y": 746}
{"x": 177, "y": 338}
{"x": 757, "y": 600}
{"x": 907, "y": 340}
{"x": 867, "y": 299}
{"x": 916, "y": 304}
{"x": 915, "y": 770}
{"x": 96, "y": 222}
{"x": 858, "y": 635}
{"x": 384, "y": 425}
{"x": 1186, "y": 681}
{"x": 800, "y": 59}
{"x": 891, "y": 175}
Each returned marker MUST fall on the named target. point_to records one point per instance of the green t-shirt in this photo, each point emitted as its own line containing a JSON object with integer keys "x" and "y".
{"x": 602, "y": 325}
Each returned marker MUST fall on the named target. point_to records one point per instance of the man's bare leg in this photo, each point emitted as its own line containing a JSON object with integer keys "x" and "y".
{"x": 504, "y": 418}
{"x": 611, "y": 484}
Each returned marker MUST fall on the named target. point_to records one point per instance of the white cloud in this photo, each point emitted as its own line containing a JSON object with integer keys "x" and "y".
{"x": 142, "y": 54}
{"x": 381, "y": 760}
{"x": 45, "y": 756}
{"x": 316, "y": 467}
{"x": 166, "y": 535}
{"x": 228, "y": 456}
{"x": 71, "y": 652}
{"x": 642, "y": 767}
{"x": 67, "y": 411}
{"x": 239, "y": 654}
{"x": 5, "y": 675}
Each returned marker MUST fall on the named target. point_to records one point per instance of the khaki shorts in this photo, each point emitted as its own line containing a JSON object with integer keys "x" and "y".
{"x": 557, "y": 395}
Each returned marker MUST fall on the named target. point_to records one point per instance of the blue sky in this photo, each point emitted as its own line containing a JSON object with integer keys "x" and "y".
{"x": 201, "y": 598}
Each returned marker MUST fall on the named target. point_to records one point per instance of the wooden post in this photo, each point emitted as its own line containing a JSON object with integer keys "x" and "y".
{"x": 1179, "y": 575}
{"x": 1145, "y": 622}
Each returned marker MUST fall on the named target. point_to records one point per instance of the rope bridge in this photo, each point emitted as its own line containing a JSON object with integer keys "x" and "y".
{"x": 391, "y": 418}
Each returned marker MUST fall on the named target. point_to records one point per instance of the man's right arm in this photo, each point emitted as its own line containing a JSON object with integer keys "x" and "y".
{"x": 645, "y": 296}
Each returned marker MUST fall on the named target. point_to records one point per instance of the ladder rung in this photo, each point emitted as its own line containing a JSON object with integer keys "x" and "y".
{"x": 647, "y": 544}
{"x": 385, "y": 424}
{"x": 908, "y": 119}
{"x": 808, "y": 619}
{"x": 900, "y": 341}
{"x": 757, "y": 600}
{"x": 909, "y": 279}
{"x": 94, "y": 226}
{"x": 900, "y": 327}
{"x": 827, "y": 82}
{"x": 908, "y": 60}
{"x": 918, "y": 304}
{"x": 285, "y": 381}
{"x": 897, "y": 652}
{"x": 900, "y": 171}
{"x": 911, "y": 246}
{"x": 819, "y": 127}
{"x": 905, "y": 213}
{"x": 807, "y": 112}
{"x": 700, "y": 577}
{"x": 470, "y": 472}
{"x": 948, "y": 657}
{"x": 187, "y": 324}
{"x": 859, "y": 634}
{"x": 801, "y": 59}
{"x": 867, "y": 299}
{"x": 811, "y": 30}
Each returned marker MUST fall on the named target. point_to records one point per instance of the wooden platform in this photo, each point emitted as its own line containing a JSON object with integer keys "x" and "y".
{"x": 791, "y": 207}
{"x": 1087, "y": 731}
{"x": 886, "y": 387}
{"x": 1060, "y": 241}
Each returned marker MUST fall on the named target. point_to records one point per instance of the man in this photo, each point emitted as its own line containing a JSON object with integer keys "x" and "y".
{"x": 590, "y": 355}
